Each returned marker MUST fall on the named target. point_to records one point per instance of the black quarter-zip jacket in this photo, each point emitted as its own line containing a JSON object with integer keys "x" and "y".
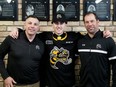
{"x": 23, "y": 58}
{"x": 96, "y": 54}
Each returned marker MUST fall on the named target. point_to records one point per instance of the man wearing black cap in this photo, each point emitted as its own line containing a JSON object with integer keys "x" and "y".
{"x": 60, "y": 46}
{"x": 57, "y": 65}
{"x": 60, "y": 51}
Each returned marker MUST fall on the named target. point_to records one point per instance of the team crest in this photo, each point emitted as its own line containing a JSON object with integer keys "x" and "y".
{"x": 98, "y": 46}
{"x": 59, "y": 55}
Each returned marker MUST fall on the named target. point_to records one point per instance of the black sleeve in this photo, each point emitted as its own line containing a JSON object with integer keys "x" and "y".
{"x": 111, "y": 49}
{"x": 4, "y": 48}
{"x": 112, "y": 58}
{"x": 80, "y": 36}
{"x": 20, "y": 30}
{"x": 41, "y": 35}
{"x": 113, "y": 62}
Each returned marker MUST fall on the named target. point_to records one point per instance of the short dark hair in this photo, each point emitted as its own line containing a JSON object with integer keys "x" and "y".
{"x": 88, "y": 13}
{"x": 32, "y": 16}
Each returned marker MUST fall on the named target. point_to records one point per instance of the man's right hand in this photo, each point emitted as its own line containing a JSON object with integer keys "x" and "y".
{"x": 8, "y": 82}
{"x": 14, "y": 33}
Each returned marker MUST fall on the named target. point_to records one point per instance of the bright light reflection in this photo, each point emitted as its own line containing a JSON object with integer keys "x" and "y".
{"x": 98, "y": 1}
{"x": 8, "y": 1}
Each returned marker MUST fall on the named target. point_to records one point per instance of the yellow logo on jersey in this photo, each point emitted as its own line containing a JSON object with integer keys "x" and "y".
{"x": 59, "y": 55}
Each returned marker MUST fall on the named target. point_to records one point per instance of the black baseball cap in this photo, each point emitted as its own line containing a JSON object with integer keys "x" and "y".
{"x": 59, "y": 17}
